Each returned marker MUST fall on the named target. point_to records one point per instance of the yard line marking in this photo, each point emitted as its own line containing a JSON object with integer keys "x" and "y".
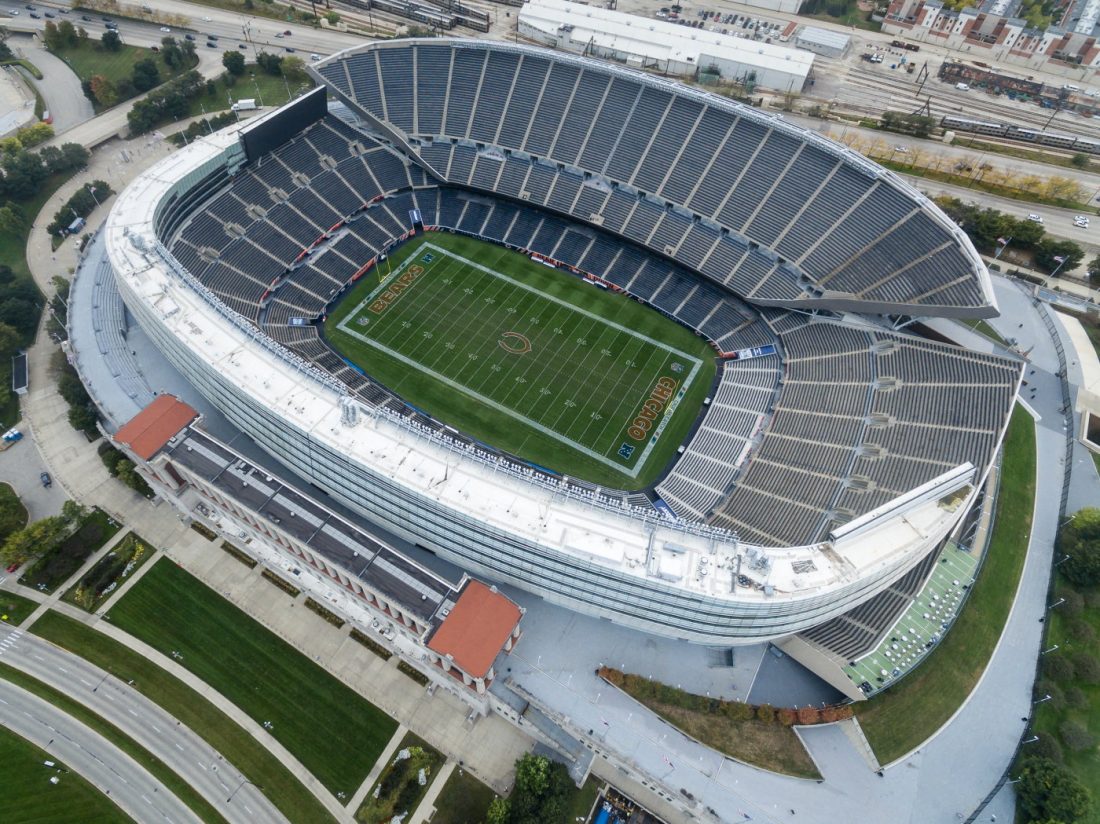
{"x": 442, "y": 319}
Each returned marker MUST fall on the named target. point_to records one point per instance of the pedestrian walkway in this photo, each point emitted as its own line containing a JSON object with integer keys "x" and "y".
{"x": 376, "y": 770}
{"x": 55, "y": 597}
{"x": 424, "y": 812}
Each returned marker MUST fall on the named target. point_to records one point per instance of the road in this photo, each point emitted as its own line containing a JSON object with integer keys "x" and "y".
{"x": 189, "y": 756}
{"x": 231, "y": 29}
{"x": 60, "y": 88}
{"x": 101, "y": 763}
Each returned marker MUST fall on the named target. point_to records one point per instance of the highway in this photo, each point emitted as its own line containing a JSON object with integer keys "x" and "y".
{"x": 190, "y": 757}
{"x": 232, "y": 30}
{"x": 102, "y": 764}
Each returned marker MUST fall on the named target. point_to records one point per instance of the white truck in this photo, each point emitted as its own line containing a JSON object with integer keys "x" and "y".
{"x": 245, "y": 105}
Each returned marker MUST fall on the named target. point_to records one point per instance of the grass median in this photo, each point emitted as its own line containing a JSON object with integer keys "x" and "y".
{"x": 204, "y": 719}
{"x": 29, "y": 796}
{"x": 906, "y": 715}
{"x": 331, "y": 729}
{"x": 157, "y": 768}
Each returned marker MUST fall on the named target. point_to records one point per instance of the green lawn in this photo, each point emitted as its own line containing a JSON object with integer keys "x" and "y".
{"x": 529, "y": 359}
{"x": 1065, "y": 630}
{"x": 56, "y": 565}
{"x": 91, "y": 59}
{"x": 329, "y": 727}
{"x": 398, "y": 786}
{"x": 902, "y": 717}
{"x": 463, "y": 800}
{"x": 984, "y": 328}
{"x": 255, "y": 84}
{"x": 202, "y": 717}
{"x": 111, "y": 572}
{"x": 70, "y": 706}
{"x": 584, "y": 798}
{"x": 28, "y": 796}
{"x": 14, "y": 609}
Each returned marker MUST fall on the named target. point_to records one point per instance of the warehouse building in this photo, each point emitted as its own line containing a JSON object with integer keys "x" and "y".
{"x": 664, "y": 47}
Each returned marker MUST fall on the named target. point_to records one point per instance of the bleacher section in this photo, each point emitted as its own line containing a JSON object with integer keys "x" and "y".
{"x": 860, "y": 418}
{"x": 804, "y": 217}
{"x": 836, "y": 421}
{"x": 110, "y": 326}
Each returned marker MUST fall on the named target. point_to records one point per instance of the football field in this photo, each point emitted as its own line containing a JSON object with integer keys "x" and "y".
{"x": 531, "y": 360}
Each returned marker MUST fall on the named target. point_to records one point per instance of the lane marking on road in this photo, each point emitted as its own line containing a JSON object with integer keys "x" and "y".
{"x": 178, "y": 747}
{"x": 63, "y": 670}
{"x": 108, "y": 697}
{"x": 37, "y": 657}
{"x": 86, "y": 683}
{"x": 131, "y": 712}
{"x": 146, "y": 799}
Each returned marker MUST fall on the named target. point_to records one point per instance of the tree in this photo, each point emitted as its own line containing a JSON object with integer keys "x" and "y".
{"x": 171, "y": 52}
{"x": 20, "y": 314}
{"x": 1080, "y": 540}
{"x": 83, "y": 418}
{"x": 104, "y": 90}
{"x": 13, "y": 515}
{"x": 145, "y": 75}
{"x": 81, "y": 35}
{"x": 187, "y": 49}
{"x": 269, "y": 63}
{"x": 1047, "y": 790}
{"x": 541, "y": 792}
{"x": 233, "y": 62}
{"x": 12, "y": 219}
{"x": 332, "y": 17}
{"x": 34, "y": 134}
{"x": 10, "y": 340}
{"x": 1094, "y": 269}
{"x": 111, "y": 41}
{"x": 1048, "y": 250}
{"x": 294, "y": 69}
{"x": 51, "y": 36}
{"x": 1080, "y": 160}
{"x": 67, "y": 33}
{"x": 32, "y": 539}
{"x": 497, "y": 812}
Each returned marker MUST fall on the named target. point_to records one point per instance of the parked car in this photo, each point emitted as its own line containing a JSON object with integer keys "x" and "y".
{"x": 46, "y": 480}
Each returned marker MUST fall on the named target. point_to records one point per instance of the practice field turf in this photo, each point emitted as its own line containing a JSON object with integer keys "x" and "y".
{"x": 527, "y": 358}
{"x": 330, "y": 728}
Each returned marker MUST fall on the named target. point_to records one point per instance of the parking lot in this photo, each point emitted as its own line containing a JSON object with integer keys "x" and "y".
{"x": 21, "y": 466}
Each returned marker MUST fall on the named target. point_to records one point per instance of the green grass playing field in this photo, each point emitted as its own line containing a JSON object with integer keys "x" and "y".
{"x": 526, "y": 358}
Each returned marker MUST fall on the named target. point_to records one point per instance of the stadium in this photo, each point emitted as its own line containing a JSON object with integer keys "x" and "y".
{"x": 626, "y": 345}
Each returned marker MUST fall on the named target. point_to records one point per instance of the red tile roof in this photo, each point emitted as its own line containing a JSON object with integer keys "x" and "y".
{"x": 155, "y": 425}
{"x": 477, "y": 628}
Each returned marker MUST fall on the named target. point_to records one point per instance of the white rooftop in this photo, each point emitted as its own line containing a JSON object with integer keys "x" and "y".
{"x": 657, "y": 39}
{"x": 823, "y": 37}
